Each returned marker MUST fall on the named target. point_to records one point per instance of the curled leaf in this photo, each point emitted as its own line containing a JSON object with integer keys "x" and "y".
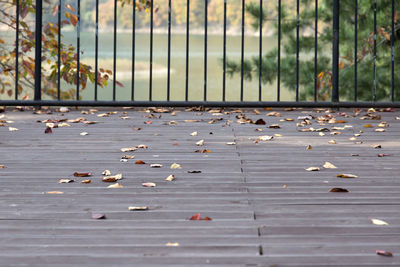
{"x": 106, "y": 172}
{"x": 313, "y": 169}
{"x": 65, "y": 181}
{"x": 82, "y": 174}
{"x": 377, "y": 146}
{"x": 309, "y": 147}
{"x": 111, "y": 179}
{"x": 194, "y": 171}
{"x": 86, "y": 181}
{"x": 346, "y": 175}
{"x": 338, "y": 190}
{"x": 128, "y": 149}
{"x": 140, "y": 162}
{"x": 274, "y": 126}
{"x": 170, "y": 178}
{"x": 384, "y": 253}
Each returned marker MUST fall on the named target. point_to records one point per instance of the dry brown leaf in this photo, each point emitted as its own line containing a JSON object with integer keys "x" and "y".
{"x": 197, "y": 217}
{"x": 260, "y": 122}
{"x": 139, "y": 208}
{"x": 346, "y": 175}
{"x": 48, "y": 130}
{"x": 2, "y": 167}
{"x": 170, "y": 178}
{"x": 274, "y": 126}
{"x": 384, "y": 155}
{"x": 377, "y": 146}
{"x": 338, "y": 190}
{"x": 86, "y": 181}
{"x": 384, "y": 253}
{"x": 379, "y": 222}
{"x": 142, "y": 146}
{"x": 113, "y": 178}
{"x": 127, "y": 157}
{"x": 65, "y": 181}
{"x": 313, "y": 169}
{"x": 289, "y": 119}
{"x": 140, "y": 162}
{"x": 116, "y": 185}
{"x": 328, "y": 165}
{"x": 149, "y": 184}
{"x": 335, "y": 133}
{"x": 309, "y": 147}
{"x": 82, "y": 174}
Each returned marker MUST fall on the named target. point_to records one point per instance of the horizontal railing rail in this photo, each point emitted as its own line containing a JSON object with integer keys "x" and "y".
{"x": 390, "y": 35}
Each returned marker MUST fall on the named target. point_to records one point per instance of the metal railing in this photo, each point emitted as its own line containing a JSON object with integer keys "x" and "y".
{"x": 335, "y": 93}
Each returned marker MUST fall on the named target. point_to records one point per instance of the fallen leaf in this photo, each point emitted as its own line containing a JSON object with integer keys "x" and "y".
{"x": 48, "y": 130}
{"x": 2, "y": 167}
{"x": 274, "y": 126}
{"x": 64, "y": 109}
{"x": 197, "y": 217}
{"x": 278, "y": 135}
{"x": 84, "y": 133}
{"x": 321, "y": 134}
{"x": 354, "y": 155}
{"x": 384, "y": 253}
{"x": 175, "y": 166}
{"x": 328, "y": 165}
{"x": 309, "y": 147}
{"x": 128, "y": 149}
{"x": 98, "y": 216}
{"x": 194, "y": 134}
{"x": 82, "y": 174}
{"x": 12, "y": 129}
{"x": 111, "y": 179}
{"x": 86, "y": 181}
{"x": 368, "y": 126}
{"x": 156, "y": 165}
{"x": 380, "y": 130}
{"x": 148, "y": 122}
{"x": 377, "y": 146}
{"x": 338, "y": 190}
{"x": 312, "y": 169}
{"x": 90, "y": 122}
{"x": 346, "y": 175}
{"x": 127, "y": 157}
{"x": 65, "y": 181}
{"x": 106, "y": 172}
{"x": 231, "y": 143}
{"x": 352, "y": 139}
{"x": 203, "y": 151}
{"x": 285, "y": 186}
{"x": 383, "y": 124}
{"x": 169, "y": 244}
{"x": 384, "y": 155}
{"x": 64, "y": 124}
{"x": 170, "y": 178}
{"x": 265, "y": 138}
{"x": 289, "y": 119}
{"x": 335, "y": 133}
{"x": 116, "y": 185}
{"x": 140, "y": 162}
{"x": 332, "y": 142}
{"x": 273, "y": 113}
{"x": 55, "y": 192}
{"x": 134, "y": 208}
{"x": 260, "y": 122}
{"x": 259, "y": 130}
{"x": 103, "y": 115}
{"x": 142, "y": 146}
{"x": 379, "y": 222}
{"x": 149, "y": 184}
{"x": 200, "y": 143}
{"x": 194, "y": 171}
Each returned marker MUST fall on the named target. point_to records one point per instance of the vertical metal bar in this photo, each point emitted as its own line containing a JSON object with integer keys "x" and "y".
{"x": 392, "y": 43}
{"x": 96, "y": 51}
{"x": 38, "y": 51}
{"x": 375, "y": 30}
{"x": 355, "y": 50}
{"x": 16, "y": 49}
{"x": 78, "y": 50}
{"x": 59, "y": 52}
{"x": 316, "y": 52}
{"x": 205, "y": 48}
{"x": 224, "y": 58}
{"x": 115, "y": 50}
{"x": 242, "y": 55}
{"x": 297, "y": 47}
{"x": 260, "y": 54}
{"x": 151, "y": 52}
{"x": 169, "y": 52}
{"x": 133, "y": 50}
{"x": 335, "y": 53}
{"x": 278, "y": 82}
{"x": 187, "y": 51}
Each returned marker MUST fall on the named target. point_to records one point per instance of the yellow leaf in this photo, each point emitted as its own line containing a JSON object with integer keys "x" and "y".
{"x": 175, "y": 166}
{"x": 55, "y": 192}
{"x": 133, "y": 208}
{"x": 170, "y": 178}
{"x": 332, "y": 142}
{"x": 328, "y": 165}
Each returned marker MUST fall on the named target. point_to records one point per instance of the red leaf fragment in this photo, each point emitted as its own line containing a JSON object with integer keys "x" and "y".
{"x": 197, "y": 217}
{"x": 383, "y": 155}
{"x": 48, "y": 130}
{"x": 148, "y": 122}
{"x": 98, "y": 216}
{"x": 384, "y": 253}
{"x": 82, "y": 174}
{"x": 140, "y": 162}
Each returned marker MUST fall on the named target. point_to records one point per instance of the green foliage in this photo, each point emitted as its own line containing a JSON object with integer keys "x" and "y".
{"x": 306, "y": 65}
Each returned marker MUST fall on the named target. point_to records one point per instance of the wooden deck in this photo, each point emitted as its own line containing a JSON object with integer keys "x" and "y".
{"x": 266, "y": 209}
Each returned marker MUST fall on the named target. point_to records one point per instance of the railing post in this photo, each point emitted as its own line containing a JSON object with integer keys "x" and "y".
{"x": 38, "y": 51}
{"x": 335, "y": 53}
